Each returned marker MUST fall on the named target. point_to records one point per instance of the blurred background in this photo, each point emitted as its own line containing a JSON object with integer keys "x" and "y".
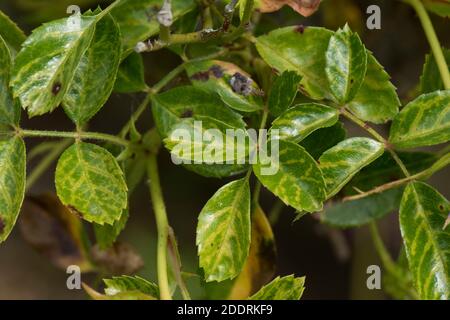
{"x": 333, "y": 261}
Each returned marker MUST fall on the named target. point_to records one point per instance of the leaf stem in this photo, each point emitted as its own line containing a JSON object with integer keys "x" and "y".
{"x": 432, "y": 40}
{"x": 74, "y": 135}
{"x": 377, "y": 136}
{"x": 438, "y": 165}
{"x": 43, "y": 165}
{"x": 385, "y": 257}
{"x": 162, "y": 226}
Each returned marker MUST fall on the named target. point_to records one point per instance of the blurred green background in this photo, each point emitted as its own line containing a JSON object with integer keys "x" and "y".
{"x": 333, "y": 261}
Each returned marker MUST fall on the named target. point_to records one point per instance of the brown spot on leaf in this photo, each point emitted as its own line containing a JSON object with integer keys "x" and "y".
{"x": 441, "y": 207}
{"x": 187, "y": 113}
{"x": 56, "y": 88}
{"x": 201, "y": 76}
{"x": 300, "y": 29}
{"x": 217, "y": 71}
{"x": 75, "y": 211}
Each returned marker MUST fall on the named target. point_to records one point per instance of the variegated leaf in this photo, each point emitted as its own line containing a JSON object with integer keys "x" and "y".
{"x": 346, "y": 64}
{"x": 9, "y": 107}
{"x": 340, "y": 163}
{"x": 296, "y": 123}
{"x": 422, "y": 217}
{"x": 223, "y": 231}
{"x": 285, "y": 288}
{"x": 89, "y": 181}
{"x": 293, "y": 176}
{"x": 423, "y": 122}
{"x": 12, "y": 183}
{"x": 283, "y": 92}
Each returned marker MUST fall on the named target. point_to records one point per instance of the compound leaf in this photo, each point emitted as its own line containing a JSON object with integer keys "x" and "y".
{"x": 9, "y": 107}
{"x": 430, "y": 79}
{"x": 283, "y": 92}
{"x": 10, "y": 32}
{"x": 130, "y": 76}
{"x": 223, "y": 231}
{"x": 90, "y": 182}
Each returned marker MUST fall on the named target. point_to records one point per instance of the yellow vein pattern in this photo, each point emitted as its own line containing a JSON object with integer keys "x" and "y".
{"x": 298, "y": 181}
{"x": 12, "y": 183}
{"x": 223, "y": 231}
{"x": 301, "y": 51}
{"x": 296, "y": 123}
{"x": 340, "y": 163}
{"x": 46, "y": 64}
{"x": 423, "y": 122}
{"x": 95, "y": 74}
{"x": 89, "y": 180}
{"x": 422, "y": 216}
{"x": 285, "y": 288}
{"x": 346, "y": 64}
{"x": 9, "y": 107}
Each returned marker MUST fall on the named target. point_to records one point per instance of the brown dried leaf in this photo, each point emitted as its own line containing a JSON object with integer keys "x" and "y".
{"x": 303, "y": 7}
{"x": 52, "y": 230}
{"x": 120, "y": 259}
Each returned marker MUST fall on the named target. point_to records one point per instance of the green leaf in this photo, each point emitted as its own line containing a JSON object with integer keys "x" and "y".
{"x": 431, "y": 80}
{"x": 171, "y": 107}
{"x": 46, "y": 65}
{"x": 125, "y": 284}
{"x": 234, "y": 86}
{"x": 205, "y": 142}
{"x": 95, "y": 74}
{"x": 9, "y": 31}
{"x": 12, "y": 183}
{"x": 137, "y": 19}
{"x": 298, "y": 181}
{"x": 283, "y": 92}
{"x": 362, "y": 211}
{"x": 323, "y": 139}
{"x": 89, "y": 181}
{"x": 422, "y": 122}
{"x": 300, "y": 50}
{"x": 223, "y": 231}
{"x": 130, "y": 77}
{"x": 285, "y": 288}
{"x": 439, "y": 7}
{"x": 296, "y": 123}
{"x": 422, "y": 216}
{"x": 376, "y": 100}
{"x": 340, "y": 163}
{"x": 9, "y": 107}
{"x": 346, "y": 64}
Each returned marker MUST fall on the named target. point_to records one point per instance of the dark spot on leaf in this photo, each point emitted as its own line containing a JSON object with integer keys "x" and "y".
{"x": 217, "y": 71}
{"x": 241, "y": 84}
{"x": 187, "y": 113}
{"x": 300, "y": 29}
{"x": 56, "y": 88}
{"x": 2, "y": 226}
{"x": 352, "y": 80}
{"x": 441, "y": 207}
{"x": 201, "y": 76}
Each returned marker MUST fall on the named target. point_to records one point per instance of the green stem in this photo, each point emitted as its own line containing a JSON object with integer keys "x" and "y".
{"x": 46, "y": 162}
{"x": 385, "y": 257}
{"x": 274, "y": 213}
{"x": 162, "y": 226}
{"x": 432, "y": 40}
{"x": 74, "y": 135}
